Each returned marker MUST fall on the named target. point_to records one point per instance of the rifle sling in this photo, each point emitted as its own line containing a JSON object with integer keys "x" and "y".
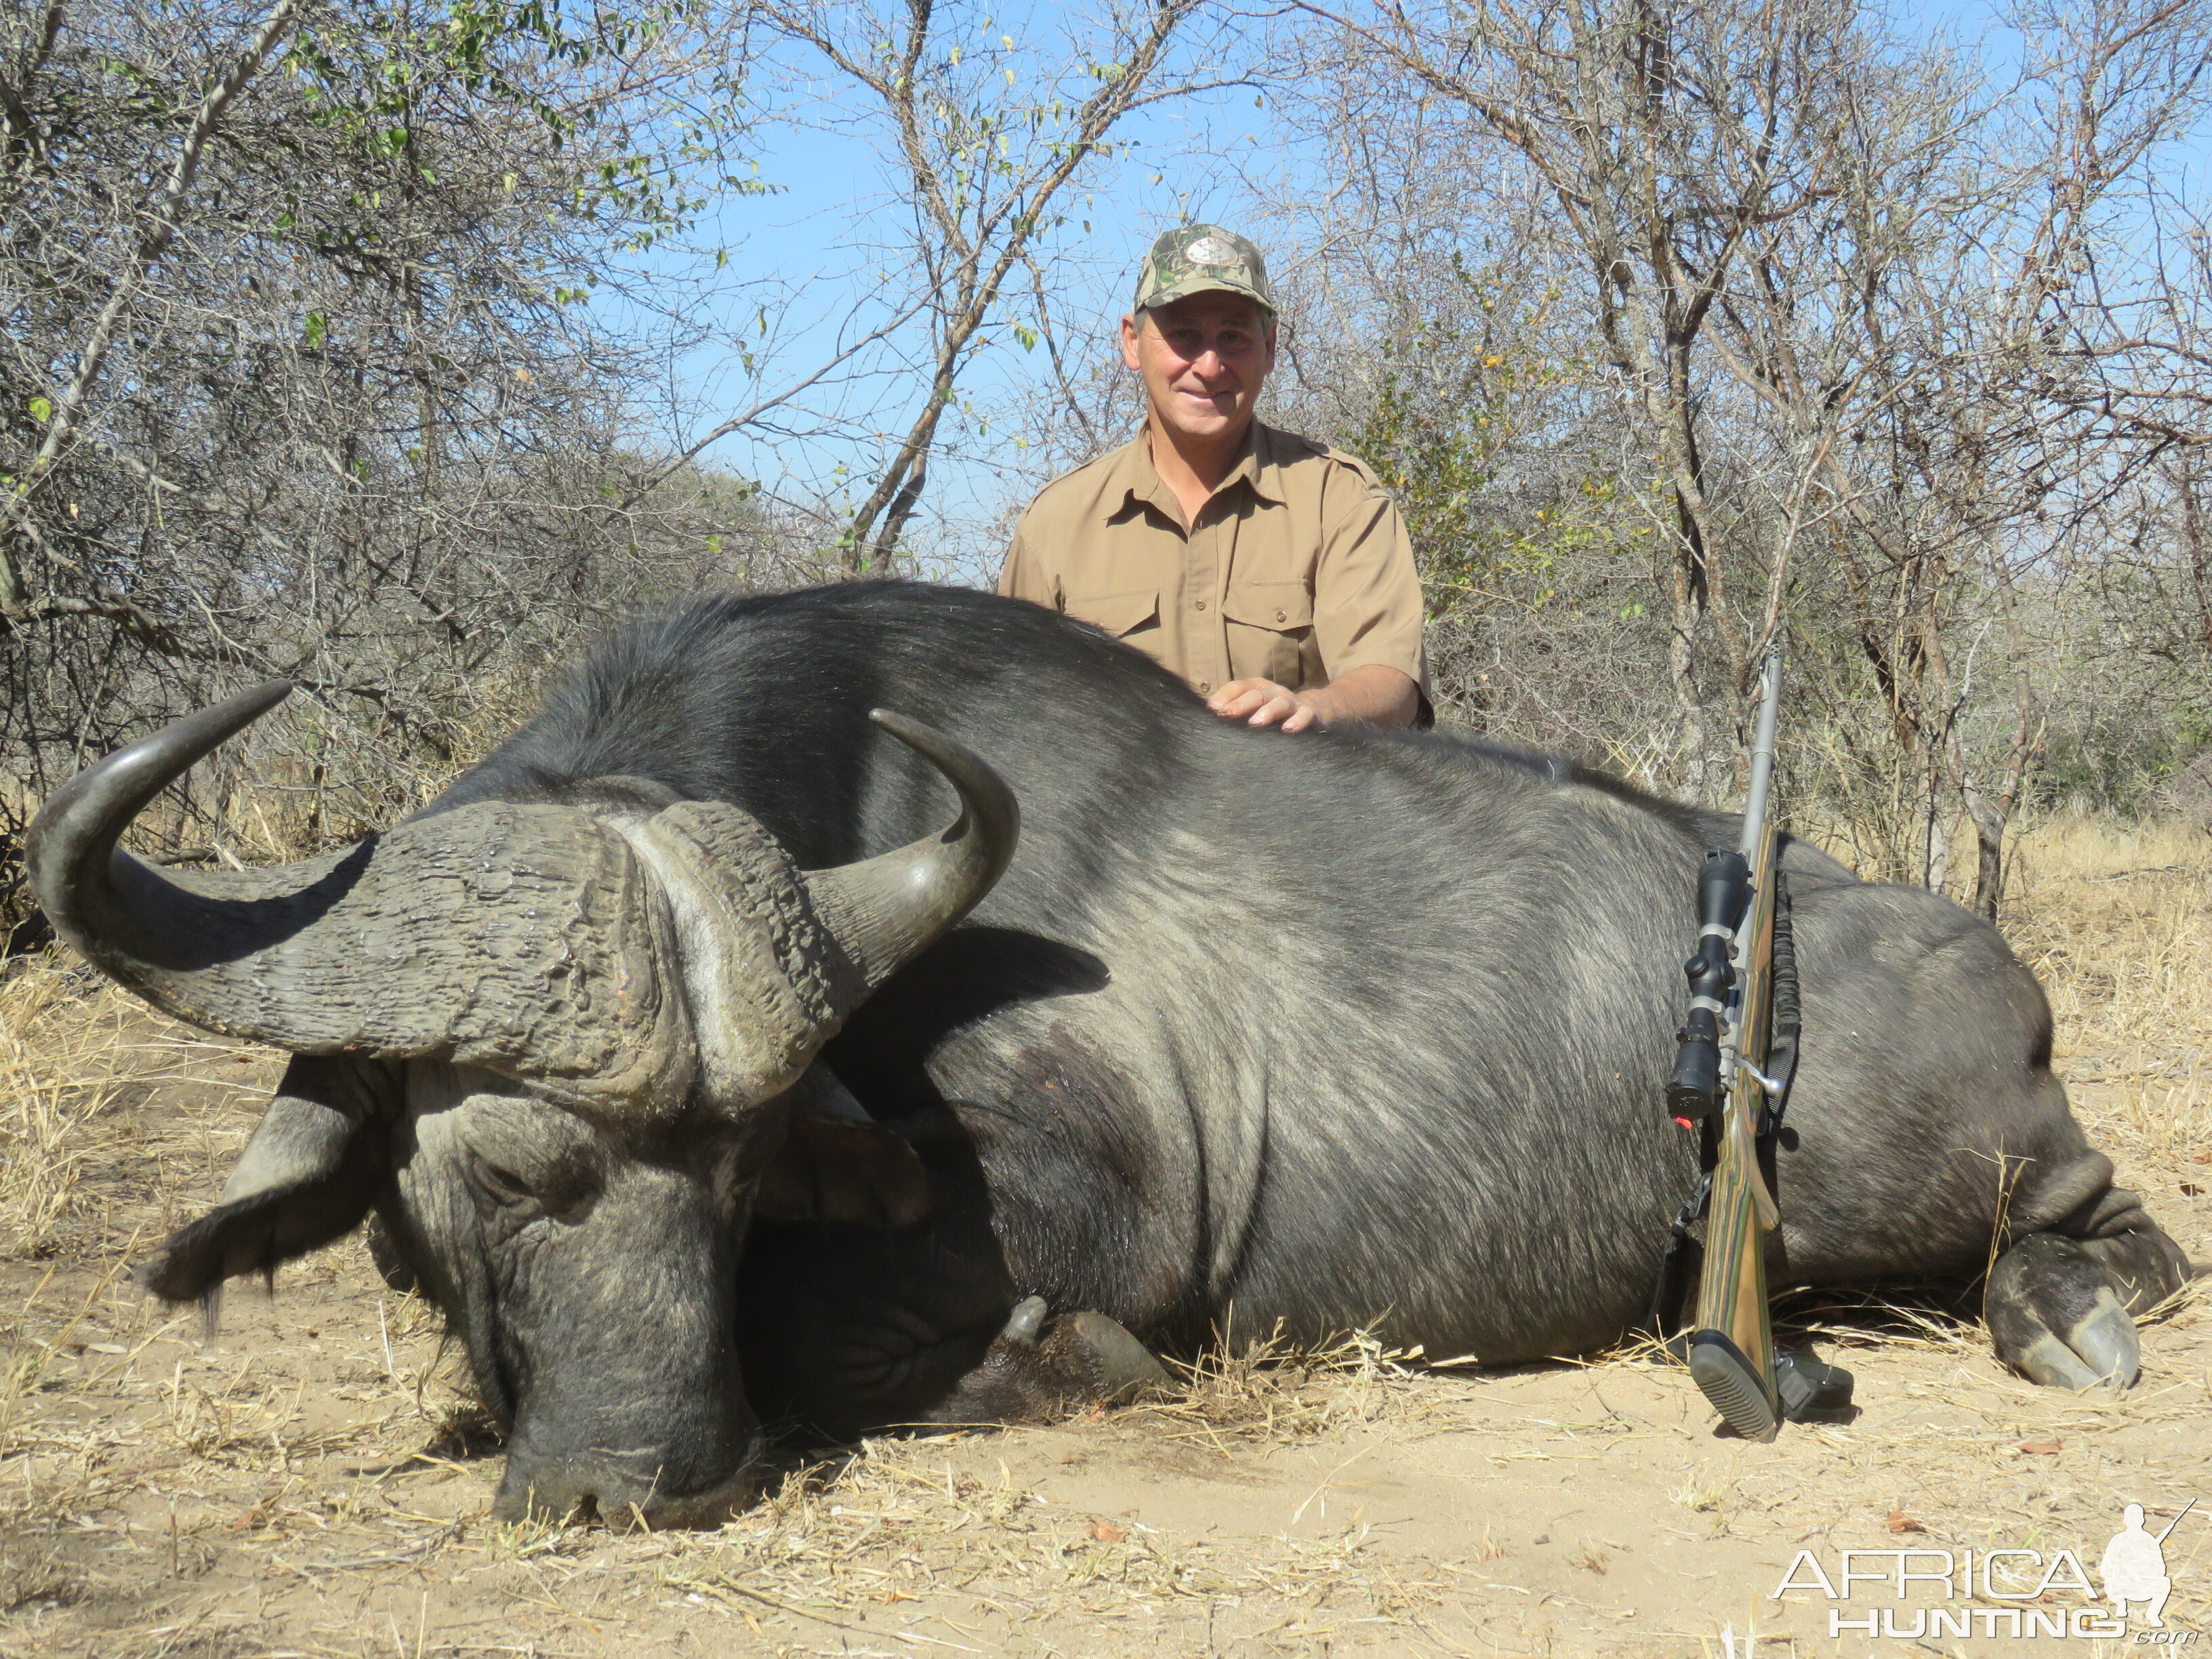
{"x": 1787, "y": 1024}
{"x": 1678, "y": 1266}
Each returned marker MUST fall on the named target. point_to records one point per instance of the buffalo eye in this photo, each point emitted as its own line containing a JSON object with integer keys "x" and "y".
{"x": 501, "y": 1186}
{"x": 564, "y": 1189}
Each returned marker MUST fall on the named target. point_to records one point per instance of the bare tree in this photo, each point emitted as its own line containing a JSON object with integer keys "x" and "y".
{"x": 297, "y": 379}
{"x": 1864, "y": 310}
{"x": 1663, "y": 136}
{"x": 985, "y": 143}
{"x": 1933, "y": 337}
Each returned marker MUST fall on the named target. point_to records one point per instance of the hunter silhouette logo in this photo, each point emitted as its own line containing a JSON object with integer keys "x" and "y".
{"x": 2134, "y": 1567}
{"x": 1995, "y": 1593}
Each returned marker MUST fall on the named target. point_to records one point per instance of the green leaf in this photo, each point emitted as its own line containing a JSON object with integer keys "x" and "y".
{"x": 312, "y": 336}
{"x": 41, "y": 410}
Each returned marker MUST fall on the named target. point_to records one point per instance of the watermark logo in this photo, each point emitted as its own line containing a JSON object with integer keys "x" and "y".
{"x": 2134, "y": 1567}
{"x": 2131, "y": 1577}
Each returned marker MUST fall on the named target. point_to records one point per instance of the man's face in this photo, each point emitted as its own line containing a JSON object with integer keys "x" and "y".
{"x": 1203, "y": 360}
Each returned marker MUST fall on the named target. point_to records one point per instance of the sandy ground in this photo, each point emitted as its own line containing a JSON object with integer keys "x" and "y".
{"x": 311, "y": 1480}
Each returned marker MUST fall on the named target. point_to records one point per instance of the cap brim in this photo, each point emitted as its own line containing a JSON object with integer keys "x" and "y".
{"x": 1191, "y": 285}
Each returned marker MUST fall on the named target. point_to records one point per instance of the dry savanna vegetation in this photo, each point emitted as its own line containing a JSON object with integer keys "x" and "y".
{"x": 312, "y": 1478}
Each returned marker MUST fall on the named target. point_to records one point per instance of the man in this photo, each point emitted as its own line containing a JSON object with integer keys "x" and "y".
{"x": 1271, "y": 572}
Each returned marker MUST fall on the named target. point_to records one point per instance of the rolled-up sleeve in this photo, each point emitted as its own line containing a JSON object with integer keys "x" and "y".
{"x": 1367, "y": 596}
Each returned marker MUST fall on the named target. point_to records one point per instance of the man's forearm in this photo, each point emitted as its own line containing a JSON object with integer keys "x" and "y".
{"x": 1379, "y": 695}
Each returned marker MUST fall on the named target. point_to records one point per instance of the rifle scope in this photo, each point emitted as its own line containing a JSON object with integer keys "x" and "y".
{"x": 1724, "y": 891}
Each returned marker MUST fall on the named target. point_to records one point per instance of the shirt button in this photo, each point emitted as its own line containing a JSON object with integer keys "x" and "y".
{"x": 1201, "y": 604}
{"x": 1205, "y": 686}
{"x": 1282, "y": 615}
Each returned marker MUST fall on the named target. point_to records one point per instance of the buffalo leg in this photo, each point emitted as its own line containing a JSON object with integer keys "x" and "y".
{"x": 2060, "y": 1304}
{"x": 1032, "y": 1373}
{"x": 847, "y": 1330}
{"x": 874, "y": 1293}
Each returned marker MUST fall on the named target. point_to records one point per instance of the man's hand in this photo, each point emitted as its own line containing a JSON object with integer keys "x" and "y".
{"x": 1263, "y": 702}
{"x": 1380, "y": 696}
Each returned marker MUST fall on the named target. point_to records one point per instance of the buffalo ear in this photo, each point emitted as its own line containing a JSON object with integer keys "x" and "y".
{"x": 314, "y": 1166}
{"x": 865, "y": 1174}
{"x": 838, "y": 1164}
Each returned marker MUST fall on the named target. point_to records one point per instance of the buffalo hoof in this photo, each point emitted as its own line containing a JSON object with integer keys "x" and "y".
{"x": 1120, "y": 1368}
{"x": 1038, "y": 1369}
{"x": 1113, "y": 1365}
{"x": 1026, "y": 1323}
{"x": 2056, "y": 1316}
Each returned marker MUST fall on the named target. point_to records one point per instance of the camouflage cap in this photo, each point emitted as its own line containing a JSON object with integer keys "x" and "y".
{"x": 1202, "y": 259}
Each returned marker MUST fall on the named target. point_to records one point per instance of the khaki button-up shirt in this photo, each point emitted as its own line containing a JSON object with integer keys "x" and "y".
{"x": 1297, "y": 570}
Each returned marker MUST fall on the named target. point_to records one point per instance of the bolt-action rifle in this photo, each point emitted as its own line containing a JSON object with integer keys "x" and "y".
{"x": 1731, "y": 1084}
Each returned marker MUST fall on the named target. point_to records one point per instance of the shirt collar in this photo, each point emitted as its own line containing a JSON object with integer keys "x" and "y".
{"x": 1134, "y": 478}
{"x": 1262, "y": 465}
{"x": 1134, "y": 481}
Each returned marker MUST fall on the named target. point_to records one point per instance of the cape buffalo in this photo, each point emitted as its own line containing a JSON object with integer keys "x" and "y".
{"x": 656, "y": 1051}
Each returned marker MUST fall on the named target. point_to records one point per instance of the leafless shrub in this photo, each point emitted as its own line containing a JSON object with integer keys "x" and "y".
{"x": 298, "y": 381}
{"x": 1675, "y": 325}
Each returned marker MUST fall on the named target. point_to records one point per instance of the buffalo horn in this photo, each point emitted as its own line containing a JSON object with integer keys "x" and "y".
{"x": 72, "y": 844}
{"x": 538, "y": 940}
{"x": 521, "y": 936}
{"x": 775, "y": 957}
{"x": 884, "y": 911}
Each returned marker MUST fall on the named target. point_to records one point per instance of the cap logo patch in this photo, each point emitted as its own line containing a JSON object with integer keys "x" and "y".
{"x": 1210, "y": 251}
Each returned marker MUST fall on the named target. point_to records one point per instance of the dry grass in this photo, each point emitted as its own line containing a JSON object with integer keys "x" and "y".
{"x": 1269, "y": 1391}
{"x": 2115, "y": 922}
{"x": 76, "y": 1056}
{"x": 310, "y": 1482}
{"x": 45, "y": 1123}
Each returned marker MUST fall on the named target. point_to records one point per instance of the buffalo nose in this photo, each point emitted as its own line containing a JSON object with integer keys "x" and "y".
{"x": 548, "y": 1493}
{"x": 580, "y": 1490}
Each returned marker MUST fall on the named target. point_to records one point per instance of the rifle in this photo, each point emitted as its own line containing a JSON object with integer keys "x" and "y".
{"x": 1743, "y": 1014}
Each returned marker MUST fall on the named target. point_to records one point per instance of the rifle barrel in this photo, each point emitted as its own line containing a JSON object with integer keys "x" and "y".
{"x": 1762, "y": 747}
{"x": 2175, "y": 1521}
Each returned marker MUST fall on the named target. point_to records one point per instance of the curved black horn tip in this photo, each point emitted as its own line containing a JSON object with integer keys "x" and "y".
{"x": 92, "y": 808}
{"x": 988, "y": 800}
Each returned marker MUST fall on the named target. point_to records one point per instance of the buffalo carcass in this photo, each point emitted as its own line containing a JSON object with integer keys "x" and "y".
{"x": 1351, "y": 1029}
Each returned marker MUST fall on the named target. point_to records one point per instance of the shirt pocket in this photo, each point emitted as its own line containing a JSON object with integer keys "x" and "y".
{"x": 1119, "y": 614}
{"x": 1271, "y": 632}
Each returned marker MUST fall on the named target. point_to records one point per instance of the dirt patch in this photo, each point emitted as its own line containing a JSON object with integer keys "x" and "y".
{"x": 311, "y": 1480}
